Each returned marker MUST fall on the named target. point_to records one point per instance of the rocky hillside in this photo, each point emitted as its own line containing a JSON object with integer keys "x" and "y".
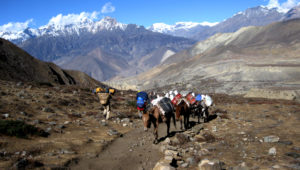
{"x": 17, "y": 65}
{"x": 253, "y": 57}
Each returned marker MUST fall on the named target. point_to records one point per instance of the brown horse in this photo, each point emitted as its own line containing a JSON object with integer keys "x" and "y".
{"x": 183, "y": 110}
{"x": 154, "y": 116}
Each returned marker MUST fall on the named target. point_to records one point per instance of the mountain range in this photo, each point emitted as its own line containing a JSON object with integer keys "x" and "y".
{"x": 256, "y": 16}
{"x": 107, "y": 49}
{"x": 263, "y": 58}
{"x": 103, "y": 49}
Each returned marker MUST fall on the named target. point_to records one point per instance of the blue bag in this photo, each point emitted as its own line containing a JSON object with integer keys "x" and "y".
{"x": 198, "y": 97}
{"x": 140, "y": 102}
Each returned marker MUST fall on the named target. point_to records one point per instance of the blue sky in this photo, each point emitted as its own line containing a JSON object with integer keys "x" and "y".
{"x": 35, "y": 13}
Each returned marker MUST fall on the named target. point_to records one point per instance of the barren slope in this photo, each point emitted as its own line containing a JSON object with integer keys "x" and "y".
{"x": 17, "y": 65}
{"x": 253, "y": 57}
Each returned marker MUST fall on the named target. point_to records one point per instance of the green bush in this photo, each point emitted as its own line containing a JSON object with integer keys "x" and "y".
{"x": 19, "y": 129}
{"x": 131, "y": 103}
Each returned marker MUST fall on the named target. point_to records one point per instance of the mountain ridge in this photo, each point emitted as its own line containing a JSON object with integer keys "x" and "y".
{"x": 17, "y": 65}
{"x": 235, "y": 64}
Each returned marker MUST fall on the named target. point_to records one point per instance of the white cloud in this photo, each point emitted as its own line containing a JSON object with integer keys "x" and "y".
{"x": 108, "y": 8}
{"x": 15, "y": 26}
{"x": 73, "y": 18}
{"x": 283, "y": 7}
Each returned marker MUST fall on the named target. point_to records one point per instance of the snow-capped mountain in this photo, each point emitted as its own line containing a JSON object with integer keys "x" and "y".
{"x": 53, "y": 28}
{"x": 256, "y": 16}
{"x": 292, "y": 13}
{"x": 102, "y": 49}
{"x": 181, "y": 29}
{"x": 165, "y": 28}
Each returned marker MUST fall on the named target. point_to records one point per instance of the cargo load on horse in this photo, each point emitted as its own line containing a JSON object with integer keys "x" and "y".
{"x": 176, "y": 99}
{"x": 162, "y": 109}
{"x": 208, "y": 100}
{"x": 165, "y": 105}
{"x": 190, "y": 98}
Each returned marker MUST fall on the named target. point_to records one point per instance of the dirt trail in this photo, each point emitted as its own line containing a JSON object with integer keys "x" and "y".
{"x": 135, "y": 150}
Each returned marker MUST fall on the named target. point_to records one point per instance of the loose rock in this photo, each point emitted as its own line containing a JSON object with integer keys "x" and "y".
{"x": 163, "y": 166}
{"x": 271, "y": 139}
{"x": 209, "y": 165}
{"x": 272, "y": 151}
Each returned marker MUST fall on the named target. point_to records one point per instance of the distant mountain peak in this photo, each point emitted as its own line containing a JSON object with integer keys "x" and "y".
{"x": 65, "y": 25}
{"x": 292, "y": 13}
{"x": 178, "y": 26}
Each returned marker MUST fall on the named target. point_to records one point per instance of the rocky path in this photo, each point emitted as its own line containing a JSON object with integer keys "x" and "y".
{"x": 134, "y": 150}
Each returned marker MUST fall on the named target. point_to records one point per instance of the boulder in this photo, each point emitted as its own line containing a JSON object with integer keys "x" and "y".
{"x": 209, "y": 165}
{"x": 272, "y": 151}
{"x": 271, "y": 139}
{"x": 163, "y": 166}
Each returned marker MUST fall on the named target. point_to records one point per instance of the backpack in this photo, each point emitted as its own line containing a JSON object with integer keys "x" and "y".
{"x": 143, "y": 95}
{"x": 198, "y": 97}
{"x": 140, "y": 102}
{"x": 103, "y": 97}
{"x": 99, "y": 89}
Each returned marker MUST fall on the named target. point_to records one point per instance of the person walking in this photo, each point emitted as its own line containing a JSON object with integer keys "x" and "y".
{"x": 141, "y": 102}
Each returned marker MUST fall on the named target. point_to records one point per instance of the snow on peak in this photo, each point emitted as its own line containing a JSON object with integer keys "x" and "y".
{"x": 160, "y": 27}
{"x": 109, "y": 23}
{"x": 165, "y": 28}
{"x": 210, "y": 24}
{"x": 13, "y": 31}
{"x": 77, "y": 23}
{"x": 60, "y": 25}
{"x": 284, "y": 6}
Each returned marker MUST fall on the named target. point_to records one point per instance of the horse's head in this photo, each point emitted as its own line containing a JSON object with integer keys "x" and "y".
{"x": 146, "y": 118}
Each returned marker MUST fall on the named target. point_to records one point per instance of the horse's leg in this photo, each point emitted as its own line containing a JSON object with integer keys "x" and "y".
{"x": 156, "y": 115}
{"x": 146, "y": 121}
{"x": 185, "y": 121}
{"x": 168, "y": 122}
{"x": 188, "y": 119}
{"x": 206, "y": 115}
{"x": 174, "y": 121}
{"x": 181, "y": 123}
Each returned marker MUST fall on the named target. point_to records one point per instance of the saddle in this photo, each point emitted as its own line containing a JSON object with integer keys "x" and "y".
{"x": 184, "y": 100}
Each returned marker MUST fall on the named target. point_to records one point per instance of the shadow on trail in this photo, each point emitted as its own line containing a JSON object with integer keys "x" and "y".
{"x": 173, "y": 133}
{"x": 211, "y": 117}
{"x": 191, "y": 125}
